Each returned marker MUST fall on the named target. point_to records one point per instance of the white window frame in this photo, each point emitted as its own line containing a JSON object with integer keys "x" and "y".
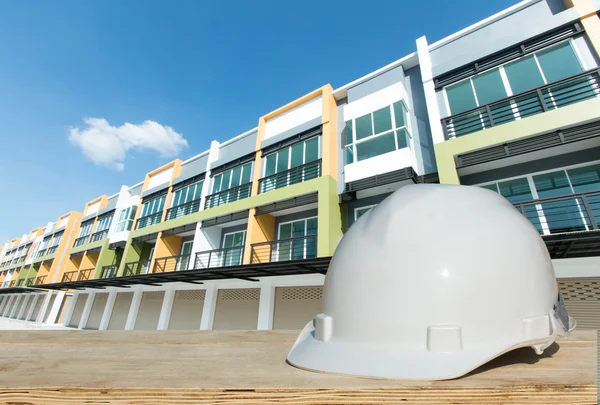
{"x": 276, "y": 251}
{"x": 369, "y": 207}
{"x": 220, "y": 254}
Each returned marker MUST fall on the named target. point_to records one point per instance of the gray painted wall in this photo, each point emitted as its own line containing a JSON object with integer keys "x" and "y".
{"x": 377, "y": 83}
{"x": 236, "y": 228}
{"x": 293, "y": 217}
{"x": 534, "y": 166}
{"x": 112, "y": 203}
{"x": 533, "y": 20}
{"x": 137, "y": 190}
{"x": 341, "y": 134}
{"x": 363, "y": 202}
{"x": 88, "y": 217}
{"x": 155, "y": 189}
{"x": 236, "y": 150}
{"x": 192, "y": 168}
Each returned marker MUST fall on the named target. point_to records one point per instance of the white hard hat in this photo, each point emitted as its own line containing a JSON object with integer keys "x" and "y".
{"x": 432, "y": 283}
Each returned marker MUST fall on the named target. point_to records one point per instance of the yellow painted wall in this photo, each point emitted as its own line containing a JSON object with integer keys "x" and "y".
{"x": 589, "y": 20}
{"x": 58, "y": 267}
{"x": 166, "y": 246}
{"x": 260, "y": 229}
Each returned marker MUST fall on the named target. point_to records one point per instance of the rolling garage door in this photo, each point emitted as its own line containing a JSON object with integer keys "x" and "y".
{"x": 15, "y": 307}
{"x": 78, "y": 310}
{"x": 186, "y": 313}
{"x": 296, "y": 306}
{"x": 64, "y": 308}
{"x": 97, "y": 311}
{"x": 49, "y": 307}
{"x": 237, "y": 309}
{"x": 29, "y": 299}
{"x": 8, "y": 306}
{"x": 149, "y": 311}
{"x": 118, "y": 317}
{"x": 582, "y": 298}
{"x": 37, "y": 308}
{"x": 3, "y": 302}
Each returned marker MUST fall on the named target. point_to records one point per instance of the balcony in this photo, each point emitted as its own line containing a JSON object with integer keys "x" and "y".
{"x": 289, "y": 177}
{"x": 96, "y": 236}
{"x": 148, "y": 220}
{"x": 225, "y": 257}
{"x": 171, "y": 263}
{"x": 82, "y": 240}
{"x": 41, "y": 253}
{"x": 300, "y": 248}
{"x": 39, "y": 280}
{"x": 137, "y": 268}
{"x": 20, "y": 282}
{"x": 30, "y": 281}
{"x": 52, "y": 250}
{"x": 552, "y": 96}
{"x": 183, "y": 209}
{"x": 228, "y": 196}
{"x": 109, "y": 271}
{"x": 12, "y": 283}
{"x": 77, "y": 275}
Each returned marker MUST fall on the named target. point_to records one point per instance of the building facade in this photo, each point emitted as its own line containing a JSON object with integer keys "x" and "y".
{"x": 240, "y": 236}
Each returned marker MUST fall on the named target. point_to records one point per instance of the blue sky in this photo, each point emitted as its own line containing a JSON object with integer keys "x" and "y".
{"x": 207, "y": 70}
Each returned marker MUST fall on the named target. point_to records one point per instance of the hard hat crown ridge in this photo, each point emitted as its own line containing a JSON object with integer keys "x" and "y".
{"x": 432, "y": 283}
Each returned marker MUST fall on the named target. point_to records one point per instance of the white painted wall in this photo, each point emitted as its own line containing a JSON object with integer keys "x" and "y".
{"x": 375, "y": 101}
{"x": 433, "y": 111}
{"x": 33, "y": 236}
{"x": 64, "y": 221}
{"x": 294, "y": 117}
{"x": 160, "y": 178}
{"x": 385, "y": 163}
{"x": 92, "y": 209}
{"x": 577, "y": 267}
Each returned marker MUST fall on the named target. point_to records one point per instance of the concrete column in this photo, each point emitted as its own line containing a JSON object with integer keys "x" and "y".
{"x": 329, "y": 219}
{"x": 265, "y": 307}
{"x": 71, "y": 308}
{"x": 43, "y": 308}
{"x": 55, "y": 308}
{"x": 36, "y": 297}
{"x": 589, "y": 19}
{"x": 165, "y": 312}
{"x": 87, "y": 309}
{"x": 204, "y": 239}
{"x": 208, "y": 311}
{"x": 433, "y": 111}
{"x": 110, "y": 303}
{"x": 133, "y": 310}
{"x": 23, "y": 305}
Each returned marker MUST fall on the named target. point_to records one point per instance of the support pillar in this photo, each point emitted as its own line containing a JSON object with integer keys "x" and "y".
{"x": 165, "y": 312}
{"x": 266, "y": 307}
{"x": 87, "y": 309}
{"x": 55, "y": 308}
{"x": 29, "y": 314}
{"x": 208, "y": 311}
{"x": 110, "y": 303}
{"x": 23, "y": 306}
{"x": 133, "y": 310}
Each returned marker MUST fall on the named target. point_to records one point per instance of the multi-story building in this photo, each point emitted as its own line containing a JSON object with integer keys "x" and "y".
{"x": 241, "y": 235}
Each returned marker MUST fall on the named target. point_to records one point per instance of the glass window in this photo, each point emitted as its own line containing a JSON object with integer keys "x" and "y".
{"x": 562, "y": 215}
{"x": 312, "y": 150}
{"x": 552, "y": 184}
{"x": 492, "y": 187}
{"x": 236, "y": 177}
{"x": 283, "y": 160}
{"x": 523, "y": 74}
{"x": 403, "y": 138}
{"x": 359, "y": 212}
{"x": 153, "y": 206}
{"x": 516, "y": 190}
{"x": 585, "y": 178}
{"x": 349, "y": 133}
{"x": 364, "y": 127}
{"x": 301, "y": 153}
{"x": 559, "y": 62}
{"x": 489, "y": 87}
{"x": 104, "y": 223}
{"x": 383, "y": 120}
{"x": 400, "y": 114}
{"x": 270, "y": 165}
{"x": 461, "y": 97}
{"x": 376, "y": 146}
{"x": 297, "y": 158}
{"x": 247, "y": 173}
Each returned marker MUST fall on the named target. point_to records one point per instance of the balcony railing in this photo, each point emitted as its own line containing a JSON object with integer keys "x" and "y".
{"x": 39, "y": 280}
{"x": 148, "y": 220}
{"x": 227, "y": 196}
{"x": 22, "y": 258}
{"x": 171, "y": 263}
{"x": 82, "y": 240}
{"x": 41, "y": 253}
{"x": 30, "y": 281}
{"x": 12, "y": 283}
{"x": 567, "y": 213}
{"x": 555, "y": 95}
{"x": 137, "y": 268}
{"x": 6, "y": 284}
{"x": 77, "y": 275}
{"x": 304, "y": 247}
{"x": 109, "y": 271}
{"x": 96, "y": 236}
{"x": 20, "y": 282}
{"x": 52, "y": 250}
{"x": 225, "y": 257}
{"x": 294, "y": 175}
{"x": 184, "y": 209}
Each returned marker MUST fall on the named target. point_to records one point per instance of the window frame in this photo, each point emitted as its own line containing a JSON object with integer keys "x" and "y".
{"x": 187, "y": 188}
{"x": 393, "y": 130}
{"x": 221, "y": 189}
{"x": 369, "y": 207}
{"x": 289, "y": 162}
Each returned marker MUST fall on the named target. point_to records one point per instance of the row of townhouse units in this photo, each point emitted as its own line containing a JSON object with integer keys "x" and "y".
{"x": 241, "y": 235}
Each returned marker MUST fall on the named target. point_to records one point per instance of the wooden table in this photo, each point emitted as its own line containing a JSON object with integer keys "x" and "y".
{"x": 248, "y": 367}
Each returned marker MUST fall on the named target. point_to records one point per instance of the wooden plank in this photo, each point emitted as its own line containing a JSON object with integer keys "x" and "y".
{"x": 248, "y": 367}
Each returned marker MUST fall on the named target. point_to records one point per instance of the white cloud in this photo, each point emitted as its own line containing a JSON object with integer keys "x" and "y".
{"x": 108, "y": 145}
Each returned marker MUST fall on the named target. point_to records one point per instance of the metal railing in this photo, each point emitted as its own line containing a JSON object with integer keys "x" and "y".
{"x": 52, "y": 250}
{"x": 82, "y": 240}
{"x": 148, "y": 220}
{"x": 225, "y": 257}
{"x": 41, "y": 253}
{"x": 171, "y": 263}
{"x": 555, "y": 95}
{"x": 137, "y": 268}
{"x": 39, "y": 280}
{"x": 304, "y": 247}
{"x": 109, "y": 271}
{"x": 96, "y": 236}
{"x": 567, "y": 213}
{"x": 22, "y": 258}
{"x": 77, "y": 275}
{"x": 184, "y": 209}
{"x": 20, "y": 282}
{"x": 12, "y": 283}
{"x": 294, "y": 175}
{"x": 5, "y": 284}
{"x": 30, "y": 281}
{"x": 226, "y": 196}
